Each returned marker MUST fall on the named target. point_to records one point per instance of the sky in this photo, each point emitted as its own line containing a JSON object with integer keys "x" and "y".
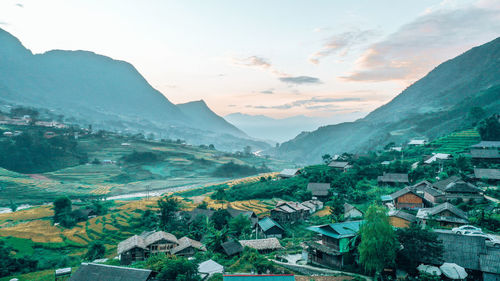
{"x": 332, "y": 59}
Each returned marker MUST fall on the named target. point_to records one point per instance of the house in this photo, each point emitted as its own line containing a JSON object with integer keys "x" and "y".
{"x": 393, "y": 178}
{"x": 289, "y": 212}
{"x": 487, "y": 145}
{"x": 396, "y": 148}
{"x": 101, "y": 272}
{"x": 431, "y": 194}
{"x": 401, "y": 219}
{"x": 267, "y": 228}
{"x": 437, "y": 157}
{"x": 259, "y": 277}
{"x": 408, "y": 198}
{"x": 445, "y": 214}
{"x": 319, "y": 190}
{"x": 487, "y": 174}
{"x": 333, "y": 244}
{"x": 264, "y": 246}
{"x": 417, "y": 142}
{"x": 485, "y": 154}
{"x": 463, "y": 190}
{"x": 339, "y": 165}
{"x": 385, "y": 163}
{"x": 232, "y": 248}
{"x": 351, "y": 212}
{"x": 188, "y": 247}
{"x": 248, "y": 214}
{"x": 140, "y": 247}
{"x": 471, "y": 253}
{"x": 313, "y": 205}
{"x": 209, "y": 268}
{"x": 289, "y": 173}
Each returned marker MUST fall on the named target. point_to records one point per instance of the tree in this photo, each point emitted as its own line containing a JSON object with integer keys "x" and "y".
{"x": 240, "y": 226}
{"x": 476, "y": 113}
{"x": 489, "y": 128}
{"x": 337, "y": 208}
{"x": 419, "y": 245}
{"x": 247, "y": 150}
{"x": 62, "y": 212}
{"x": 377, "y": 249}
{"x": 172, "y": 268}
{"x": 215, "y": 238}
{"x": 327, "y": 158}
{"x": 149, "y": 219}
{"x": 221, "y": 218}
{"x": 95, "y": 251}
{"x": 13, "y": 206}
{"x": 168, "y": 207}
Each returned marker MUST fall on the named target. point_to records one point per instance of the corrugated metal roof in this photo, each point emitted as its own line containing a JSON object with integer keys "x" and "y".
{"x": 267, "y": 277}
{"x": 100, "y": 272}
{"x": 267, "y": 223}
{"x": 338, "y": 230}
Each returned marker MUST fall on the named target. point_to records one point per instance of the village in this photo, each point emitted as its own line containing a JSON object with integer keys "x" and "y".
{"x": 322, "y": 235}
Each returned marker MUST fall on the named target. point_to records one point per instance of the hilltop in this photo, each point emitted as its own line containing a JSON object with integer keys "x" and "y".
{"x": 434, "y": 106}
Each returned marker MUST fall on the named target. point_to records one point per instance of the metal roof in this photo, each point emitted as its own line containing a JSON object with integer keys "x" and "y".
{"x": 101, "y": 272}
{"x": 264, "y": 277}
{"x": 267, "y": 223}
{"x": 338, "y": 230}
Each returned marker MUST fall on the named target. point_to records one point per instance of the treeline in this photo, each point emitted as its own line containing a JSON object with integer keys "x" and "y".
{"x": 231, "y": 169}
{"x": 30, "y": 152}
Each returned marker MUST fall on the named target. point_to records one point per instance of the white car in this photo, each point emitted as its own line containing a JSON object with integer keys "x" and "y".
{"x": 489, "y": 239}
{"x": 463, "y": 228}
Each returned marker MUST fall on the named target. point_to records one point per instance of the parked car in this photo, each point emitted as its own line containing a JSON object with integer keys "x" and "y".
{"x": 473, "y": 233}
{"x": 489, "y": 239}
{"x": 463, "y": 228}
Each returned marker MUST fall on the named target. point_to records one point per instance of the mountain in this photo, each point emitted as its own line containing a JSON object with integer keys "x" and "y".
{"x": 280, "y": 130}
{"x": 88, "y": 88}
{"x": 435, "y": 105}
{"x": 202, "y": 115}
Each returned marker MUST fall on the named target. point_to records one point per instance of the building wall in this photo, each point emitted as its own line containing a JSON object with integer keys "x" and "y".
{"x": 133, "y": 255}
{"x": 399, "y": 222}
{"x": 409, "y": 201}
{"x": 321, "y": 258}
{"x": 161, "y": 246}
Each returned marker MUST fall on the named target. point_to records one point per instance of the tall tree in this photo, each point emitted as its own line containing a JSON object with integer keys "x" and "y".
{"x": 489, "y": 128}
{"x": 377, "y": 249}
{"x": 419, "y": 245}
{"x": 62, "y": 212}
{"x": 95, "y": 251}
{"x": 168, "y": 208}
{"x": 240, "y": 226}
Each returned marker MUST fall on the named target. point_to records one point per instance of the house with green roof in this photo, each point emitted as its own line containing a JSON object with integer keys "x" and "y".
{"x": 267, "y": 228}
{"x": 258, "y": 277}
{"x": 333, "y": 243}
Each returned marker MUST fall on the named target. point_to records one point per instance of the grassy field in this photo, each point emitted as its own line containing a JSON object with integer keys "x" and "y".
{"x": 456, "y": 142}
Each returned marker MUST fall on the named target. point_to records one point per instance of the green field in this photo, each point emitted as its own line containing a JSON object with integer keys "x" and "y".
{"x": 177, "y": 165}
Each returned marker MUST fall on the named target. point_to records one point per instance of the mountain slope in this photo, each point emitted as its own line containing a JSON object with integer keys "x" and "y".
{"x": 109, "y": 94}
{"x": 205, "y": 118}
{"x": 433, "y": 106}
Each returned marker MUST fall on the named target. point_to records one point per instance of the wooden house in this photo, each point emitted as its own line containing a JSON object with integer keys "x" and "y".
{"x": 140, "y": 247}
{"x": 268, "y": 228}
{"x": 248, "y": 214}
{"x": 445, "y": 214}
{"x": 159, "y": 242}
{"x": 289, "y": 212}
{"x": 319, "y": 190}
{"x": 188, "y": 247}
{"x": 487, "y": 174}
{"x": 457, "y": 188}
{"x": 93, "y": 271}
{"x": 333, "y": 244}
{"x": 339, "y": 165}
{"x": 393, "y": 178}
{"x": 401, "y": 219}
{"x": 289, "y": 173}
{"x": 264, "y": 246}
{"x": 408, "y": 198}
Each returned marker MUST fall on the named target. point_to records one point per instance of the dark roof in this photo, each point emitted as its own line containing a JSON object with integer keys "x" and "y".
{"x": 487, "y": 144}
{"x": 485, "y": 153}
{"x": 393, "y": 177}
{"x": 318, "y": 189}
{"x": 402, "y": 215}
{"x": 404, "y": 191}
{"x": 489, "y": 174}
{"x": 236, "y": 212}
{"x": 441, "y": 185}
{"x": 267, "y": 223}
{"x": 101, "y": 272}
{"x": 348, "y": 207}
{"x": 232, "y": 247}
{"x": 338, "y": 164}
{"x": 461, "y": 186}
{"x": 463, "y": 250}
{"x": 461, "y": 216}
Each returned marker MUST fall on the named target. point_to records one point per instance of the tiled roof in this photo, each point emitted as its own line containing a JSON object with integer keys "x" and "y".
{"x": 489, "y": 174}
{"x": 403, "y": 215}
{"x": 487, "y": 144}
{"x": 318, "y": 189}
{"x": 338, "y": 164}
{"x": 485, "y": 153}
{"x": 393, "y": 177}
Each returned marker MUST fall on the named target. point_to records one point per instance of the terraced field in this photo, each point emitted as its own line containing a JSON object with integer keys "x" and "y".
{"x": 456, "y": 142}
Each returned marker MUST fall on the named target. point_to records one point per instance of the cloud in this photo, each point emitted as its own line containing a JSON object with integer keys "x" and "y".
{"x": 265, "y": 64}
{"x": 300, "y": 80}
{"x": 4, "y": 23}
{"x": 430, "y": 39}
{"x": 312, "y": 103}
{"x": 267, "y": 92}
{"x": 20, "y": 5}
{"x": 342, "y": 43}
